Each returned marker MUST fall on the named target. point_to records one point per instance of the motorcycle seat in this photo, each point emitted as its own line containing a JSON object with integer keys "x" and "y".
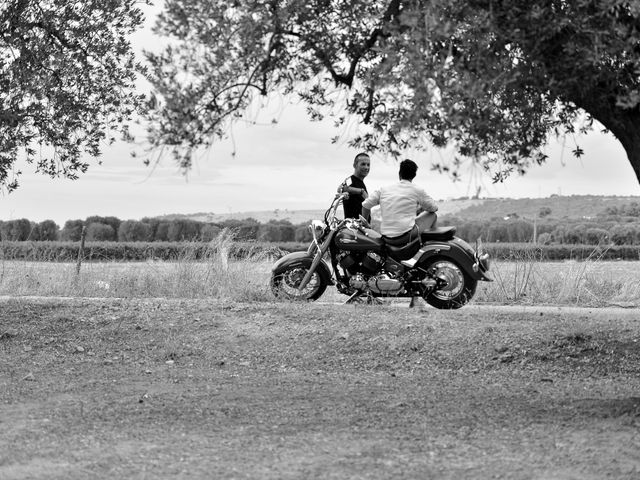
{"x": 403, "y": 246}
{"x": 438, "y": 234}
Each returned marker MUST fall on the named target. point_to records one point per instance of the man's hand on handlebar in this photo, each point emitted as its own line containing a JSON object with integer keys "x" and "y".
{"x": 364, "y": 221}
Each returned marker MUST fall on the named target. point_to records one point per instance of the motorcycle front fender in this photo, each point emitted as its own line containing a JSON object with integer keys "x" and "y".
{"x": 302, "y": 259}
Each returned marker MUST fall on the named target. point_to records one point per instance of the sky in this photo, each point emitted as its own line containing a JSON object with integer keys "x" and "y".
{"x": 292, "y": 165}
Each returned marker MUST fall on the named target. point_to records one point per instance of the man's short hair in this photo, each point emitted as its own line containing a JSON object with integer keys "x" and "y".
{"x": 408, "y": 169}
{"x": 361, "y": 154}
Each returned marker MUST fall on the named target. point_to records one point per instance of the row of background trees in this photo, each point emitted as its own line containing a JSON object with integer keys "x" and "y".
{"x": 619, "y": 225}
{"x": 112, "y": 229}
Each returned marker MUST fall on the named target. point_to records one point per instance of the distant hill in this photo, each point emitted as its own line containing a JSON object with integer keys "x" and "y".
{"x": 263, "y": 216}
{"x": 556, "y": 206}
{"x": 575, "y": 206}
{"x": 302, "y": 216}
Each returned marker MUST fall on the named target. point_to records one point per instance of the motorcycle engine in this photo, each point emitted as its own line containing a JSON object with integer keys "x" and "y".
{"x": 382, "y": 284}
{"x": 369, "y": 263}
{"x": 365, "y": 271}
{"x": 385, "y": 284}
{"x": 348, "y": 262}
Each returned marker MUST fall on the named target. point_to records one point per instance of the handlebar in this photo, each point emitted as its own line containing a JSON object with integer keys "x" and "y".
{"x": 330, "y": 214}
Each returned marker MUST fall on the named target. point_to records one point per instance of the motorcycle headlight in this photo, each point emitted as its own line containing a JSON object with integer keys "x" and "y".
{"x": 317, "y": 228}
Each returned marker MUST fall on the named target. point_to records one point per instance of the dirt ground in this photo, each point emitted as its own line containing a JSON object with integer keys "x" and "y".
{"x": 195, "y": 389}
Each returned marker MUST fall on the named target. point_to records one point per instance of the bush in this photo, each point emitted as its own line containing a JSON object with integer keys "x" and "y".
{"x": 138, "y": 251}
{"x": 509, "y": 251}
{"x": 141, "y": 251}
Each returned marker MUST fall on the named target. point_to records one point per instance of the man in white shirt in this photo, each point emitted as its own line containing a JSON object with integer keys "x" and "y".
{"x": 400, "y": 202}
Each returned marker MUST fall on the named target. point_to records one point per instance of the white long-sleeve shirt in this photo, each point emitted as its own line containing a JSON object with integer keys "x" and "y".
{"x": 399, "y": 203}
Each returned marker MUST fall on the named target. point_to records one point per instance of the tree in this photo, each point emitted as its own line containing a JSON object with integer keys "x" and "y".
{"x": 544, "y": 238}
{"x": 100, "y": 232}
{"x": 113, "y": 222}
{"x": 16, "y": 230}
{"x": 277, "y": 231}
{"x": 47, "y": 230}
{"x": 183, "y": 229}
{"x": 153, "y": 223}
{"x": 544, "y": 212}
{"x": 242, "y": 230}
{"x": 493, "y": 78}
{"x": 625, "y": 234}
{"x": 209, "y": 231}
{"x": 67, "y": 74}
{"x": 72, "y": 230}
{"x": 303, "y": 234}
{"x": 596, "y": 236}
{"x": 162, "y": 232}
{"x": 134, "y": 231}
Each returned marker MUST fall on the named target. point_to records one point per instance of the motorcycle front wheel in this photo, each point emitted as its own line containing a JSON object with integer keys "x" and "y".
{"x": 285, "y": 283}
{"x": 459, "y": 289}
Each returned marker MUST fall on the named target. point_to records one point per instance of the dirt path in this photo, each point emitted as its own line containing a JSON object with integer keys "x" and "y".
{"x": 630, "y": 310}
{"x": 198, "y": 389}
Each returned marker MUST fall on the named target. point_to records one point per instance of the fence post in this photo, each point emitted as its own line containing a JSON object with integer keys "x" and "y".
{"x": 81, "y": 249}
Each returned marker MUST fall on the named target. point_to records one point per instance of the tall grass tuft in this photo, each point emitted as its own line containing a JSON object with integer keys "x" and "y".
{"x": 526, "y": 279}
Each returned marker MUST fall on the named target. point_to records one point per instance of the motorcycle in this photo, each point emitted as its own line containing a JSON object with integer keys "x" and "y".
{"x": 435, "y": 264}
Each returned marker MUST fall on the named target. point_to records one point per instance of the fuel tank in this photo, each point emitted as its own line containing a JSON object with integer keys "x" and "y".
{"x": 358, "y": 240}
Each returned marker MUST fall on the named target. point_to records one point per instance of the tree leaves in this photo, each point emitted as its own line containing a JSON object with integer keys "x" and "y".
{"x": 67, "y": 76}
{"x": 491, "y": 78}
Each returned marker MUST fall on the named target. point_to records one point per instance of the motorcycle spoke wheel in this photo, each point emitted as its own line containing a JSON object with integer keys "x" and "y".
{"x": 285, "y": 285}
{"x": 459, "y": 286}
{"x": 454, "y": 277}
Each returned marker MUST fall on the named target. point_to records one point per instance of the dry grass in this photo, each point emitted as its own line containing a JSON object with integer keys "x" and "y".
{"x": 523, "y": 280}
{"x": 215, "y": 276}
{"x": 587, "y": 283}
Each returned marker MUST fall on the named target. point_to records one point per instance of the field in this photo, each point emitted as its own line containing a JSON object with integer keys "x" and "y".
{"x": 527, "y": 281}
{"x": 192, "y": 370}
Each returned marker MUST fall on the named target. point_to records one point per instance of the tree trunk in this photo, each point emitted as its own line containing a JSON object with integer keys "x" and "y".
{"x": 629, "y": 136}
{"x": 625, "y": 126}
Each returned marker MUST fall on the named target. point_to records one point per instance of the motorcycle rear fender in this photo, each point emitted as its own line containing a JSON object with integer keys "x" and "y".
{"x": 302, "y": 259}
{"x": 461, "y": 255}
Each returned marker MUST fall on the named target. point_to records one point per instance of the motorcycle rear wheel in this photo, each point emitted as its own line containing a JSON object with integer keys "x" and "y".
{"x": 460, "y": 286}
{"x": 284, "y": 284}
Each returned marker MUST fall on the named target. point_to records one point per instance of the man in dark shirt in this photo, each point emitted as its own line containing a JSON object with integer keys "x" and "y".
{"x": 355, "y": 186}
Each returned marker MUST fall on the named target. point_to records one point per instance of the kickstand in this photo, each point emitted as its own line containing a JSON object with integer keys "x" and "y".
{"x": 417, "y": 301}
{"x": 357, "y": 298}
{"x": 371, "y": 300}
{"x": 353, "y": 298}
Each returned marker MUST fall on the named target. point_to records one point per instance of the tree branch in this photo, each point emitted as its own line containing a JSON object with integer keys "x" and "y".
{"x": 369, "y": 110}
{"x": 393, "y": 10}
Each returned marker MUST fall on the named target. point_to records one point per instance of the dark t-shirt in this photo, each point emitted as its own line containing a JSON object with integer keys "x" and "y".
{"x": 353, "y": 204}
